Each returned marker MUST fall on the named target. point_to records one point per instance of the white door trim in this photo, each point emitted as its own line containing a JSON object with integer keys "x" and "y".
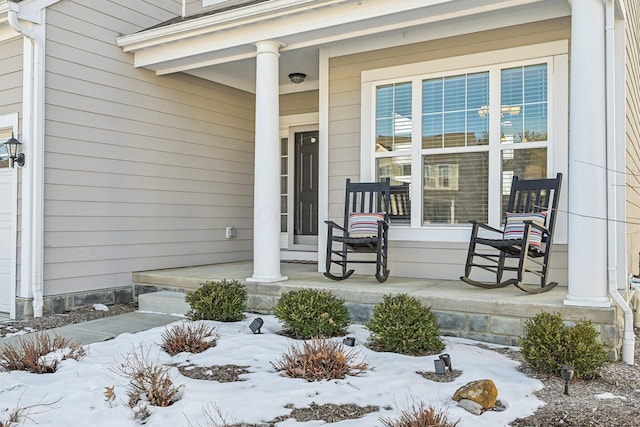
{"x": 288, "y": 126}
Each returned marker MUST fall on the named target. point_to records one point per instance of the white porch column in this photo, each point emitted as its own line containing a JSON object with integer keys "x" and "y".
{"x": 266, "y": 199}
{"x": 587, "y": 158}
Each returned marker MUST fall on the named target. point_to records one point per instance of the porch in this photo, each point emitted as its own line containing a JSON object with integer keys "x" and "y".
{"x": 496, "y": 316}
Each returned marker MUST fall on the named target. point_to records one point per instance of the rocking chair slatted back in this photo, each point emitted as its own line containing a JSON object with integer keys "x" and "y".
{"x": 535, "y": 195}
{"x": 367, "y": 204}
{"x": 366, "y": 197}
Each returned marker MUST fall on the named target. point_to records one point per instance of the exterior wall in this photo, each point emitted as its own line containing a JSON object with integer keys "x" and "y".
{"x": 11, "y": 76}
{"x": 633, "y": 135}
{"x": 299, "y": 103}
{"x": 142, "y": 172}
{"x": 416, "y": 259}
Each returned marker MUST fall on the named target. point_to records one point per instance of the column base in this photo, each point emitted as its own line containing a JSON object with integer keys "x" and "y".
{"x": 604, "y": 302}
{"x": 264, "y": 279}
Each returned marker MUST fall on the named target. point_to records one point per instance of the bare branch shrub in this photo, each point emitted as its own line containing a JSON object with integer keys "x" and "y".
{"x": 189, "y": 337}
{"x": 20, "y": 414}
{"x": 420, "y": 416}
{"x": 214, "y": 417}
{"x": 147, "y": 379}
{"x": 319, "y": 359}
{"x": 30, "y": 354}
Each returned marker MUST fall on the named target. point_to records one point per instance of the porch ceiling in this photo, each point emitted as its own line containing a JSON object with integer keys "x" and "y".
{"x": 221, "y": 46}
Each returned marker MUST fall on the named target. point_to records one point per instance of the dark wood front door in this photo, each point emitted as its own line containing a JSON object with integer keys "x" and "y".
{"x": 306, "y": 187}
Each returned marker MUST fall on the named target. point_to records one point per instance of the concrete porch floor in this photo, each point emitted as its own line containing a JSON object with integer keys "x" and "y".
{"x": 496, "y": 315}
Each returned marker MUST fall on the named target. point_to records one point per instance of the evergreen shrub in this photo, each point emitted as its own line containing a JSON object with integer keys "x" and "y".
{"x": 312, "y": 313}
{"x": 549, "y": 343}
{"x": 402, "y": 324}
{"x": 224, "y": 301}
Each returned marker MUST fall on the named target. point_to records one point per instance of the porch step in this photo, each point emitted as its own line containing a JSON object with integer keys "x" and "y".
{"x": 167, "y": 302}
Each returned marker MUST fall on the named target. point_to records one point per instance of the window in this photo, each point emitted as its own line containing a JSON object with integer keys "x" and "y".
{"x": 451, "y": 142}
{"x": 4, "y": 157}
{"x": 5, "y": 134}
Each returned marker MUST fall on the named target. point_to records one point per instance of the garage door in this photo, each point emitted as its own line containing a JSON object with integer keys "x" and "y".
{"x": 6, "y": 232}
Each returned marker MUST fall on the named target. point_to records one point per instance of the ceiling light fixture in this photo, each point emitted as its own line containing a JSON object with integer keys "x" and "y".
{"x": 297, "y": 77}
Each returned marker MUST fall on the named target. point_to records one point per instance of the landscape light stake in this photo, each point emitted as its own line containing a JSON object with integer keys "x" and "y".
{"x": 567, "y": 374}
{"x": 350, "y": 341}
{"x": 446, "y": 359}
{"x": 256, "y": 325}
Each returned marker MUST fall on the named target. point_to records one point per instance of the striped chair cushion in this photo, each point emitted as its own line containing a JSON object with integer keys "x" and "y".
{"x": 514, "y": 228}
{"x": 364, "y": 224}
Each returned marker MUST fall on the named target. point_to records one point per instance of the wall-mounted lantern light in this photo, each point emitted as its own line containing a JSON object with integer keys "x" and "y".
{"x": 14, "y": 150}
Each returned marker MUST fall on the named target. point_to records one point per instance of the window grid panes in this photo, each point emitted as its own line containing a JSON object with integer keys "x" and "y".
{"x": 523, "y": 104}
{"x": 394, "y": 122}
{"x": 523, "y": 163}
{"x": 456, "y": 143}
{"x": 455, "y": 111}
{"x": 398, "y": 169}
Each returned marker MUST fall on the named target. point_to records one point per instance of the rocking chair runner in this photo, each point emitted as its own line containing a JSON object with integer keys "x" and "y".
{"x": 365, "y": 228}
{"x": 527, "y": 237}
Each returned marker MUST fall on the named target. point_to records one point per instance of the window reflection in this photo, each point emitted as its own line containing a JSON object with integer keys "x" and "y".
{"x": 523, "y": 109}
{"x": 398, "y": 169}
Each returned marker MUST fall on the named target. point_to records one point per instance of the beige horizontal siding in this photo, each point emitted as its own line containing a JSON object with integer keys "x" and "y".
{"x": 11, "y": 76}
{"x": 633, "y": 135}
{"x": 142, "y": 172}
{"x": 299, "y": 103}
{"x": 414, "y": 259}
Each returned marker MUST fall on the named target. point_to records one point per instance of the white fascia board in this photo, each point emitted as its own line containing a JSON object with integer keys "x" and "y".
{"x": 219, "y": 21}
{"x": 305, "y": 15}
{"x": 217, "y": 40}
{"x": 470, "y": 23}
{"x": 31, "y": 10}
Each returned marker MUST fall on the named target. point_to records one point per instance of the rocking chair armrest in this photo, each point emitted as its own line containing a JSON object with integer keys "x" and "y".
{"x": 542, "y": 228}
{"x": 334, "y": 225}
{"x": 486, "y": 226}
{"x": 383, "y": 223}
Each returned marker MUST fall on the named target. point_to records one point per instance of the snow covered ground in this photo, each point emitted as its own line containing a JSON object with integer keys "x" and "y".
{"x": 75, "y": 394}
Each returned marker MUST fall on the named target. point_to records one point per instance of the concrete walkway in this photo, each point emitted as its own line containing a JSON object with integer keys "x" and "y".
{"x": 102, "y": 329}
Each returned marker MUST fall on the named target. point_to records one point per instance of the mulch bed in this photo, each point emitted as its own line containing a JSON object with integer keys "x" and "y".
{"x": 447, "y": 377}
{"x": 219, "y": 373}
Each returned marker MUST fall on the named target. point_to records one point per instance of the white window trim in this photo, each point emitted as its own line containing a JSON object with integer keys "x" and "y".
{"x": 555, "y": 54}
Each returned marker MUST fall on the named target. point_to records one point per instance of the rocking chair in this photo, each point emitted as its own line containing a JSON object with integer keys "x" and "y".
{"x": 527, "y": 237}
{"x": 365, "y": 228}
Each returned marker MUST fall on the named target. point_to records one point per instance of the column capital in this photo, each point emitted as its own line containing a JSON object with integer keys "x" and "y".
{"x": 269, "y": 46}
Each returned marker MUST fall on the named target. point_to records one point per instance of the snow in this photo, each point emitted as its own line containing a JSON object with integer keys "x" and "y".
{"x": 609, "y": 396}
{"x": 100, "y": 307}
{"x": 75, "y": 394}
